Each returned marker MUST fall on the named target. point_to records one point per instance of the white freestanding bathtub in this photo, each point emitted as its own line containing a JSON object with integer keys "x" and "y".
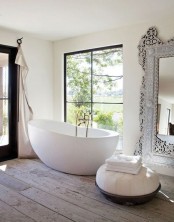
{"x": 57, "y": 145}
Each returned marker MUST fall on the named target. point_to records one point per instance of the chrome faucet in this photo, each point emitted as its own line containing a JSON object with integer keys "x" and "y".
{"x": 84, "y": 120}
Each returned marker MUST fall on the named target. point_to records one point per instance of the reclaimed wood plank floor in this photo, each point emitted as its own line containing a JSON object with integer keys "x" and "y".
{"x": 32, "y": 192}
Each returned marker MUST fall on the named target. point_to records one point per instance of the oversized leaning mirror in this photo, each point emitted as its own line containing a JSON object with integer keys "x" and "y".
{"x": 156, "y": 144}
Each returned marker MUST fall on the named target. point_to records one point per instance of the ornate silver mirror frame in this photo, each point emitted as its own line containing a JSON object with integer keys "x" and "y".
{"x": 153, "y": 149}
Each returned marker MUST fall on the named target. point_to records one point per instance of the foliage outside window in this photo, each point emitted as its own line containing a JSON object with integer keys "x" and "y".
{"x": 4, "y": 121}
{"x": 94, "y": 84}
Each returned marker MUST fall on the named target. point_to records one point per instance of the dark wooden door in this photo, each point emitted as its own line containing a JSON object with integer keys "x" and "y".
{"x": 8, "y": 103}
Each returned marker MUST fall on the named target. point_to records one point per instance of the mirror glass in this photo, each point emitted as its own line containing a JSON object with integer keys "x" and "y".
{"x": 165, "y": 118}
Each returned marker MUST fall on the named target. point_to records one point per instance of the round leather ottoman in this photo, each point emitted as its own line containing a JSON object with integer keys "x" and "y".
{"x": 126, "y": 188}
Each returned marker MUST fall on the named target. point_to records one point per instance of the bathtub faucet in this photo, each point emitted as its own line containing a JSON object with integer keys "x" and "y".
{"x": 83, "y": 120}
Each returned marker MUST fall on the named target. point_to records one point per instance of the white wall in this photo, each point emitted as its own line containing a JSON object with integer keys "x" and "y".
{"x": 39, "y": 57}
{"x": 129, "y": 37}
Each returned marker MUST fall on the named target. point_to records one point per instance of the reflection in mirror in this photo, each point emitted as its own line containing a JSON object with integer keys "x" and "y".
{"x": 165, "y": 119}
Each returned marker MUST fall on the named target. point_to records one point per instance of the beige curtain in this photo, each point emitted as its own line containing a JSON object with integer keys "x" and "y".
{"x": 25, "y": 111}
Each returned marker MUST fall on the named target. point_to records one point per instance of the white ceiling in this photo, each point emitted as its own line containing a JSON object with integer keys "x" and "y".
{"x": 60, "y": 19}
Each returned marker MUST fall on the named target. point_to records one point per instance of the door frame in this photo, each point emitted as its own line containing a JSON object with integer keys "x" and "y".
{"x": 10, "y": 151}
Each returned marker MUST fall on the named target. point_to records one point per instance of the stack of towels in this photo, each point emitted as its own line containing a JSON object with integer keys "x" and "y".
{"x": 124, "y": 164}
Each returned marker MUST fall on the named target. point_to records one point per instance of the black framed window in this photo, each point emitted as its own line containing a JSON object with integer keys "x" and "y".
{"x": 94, "y": 84}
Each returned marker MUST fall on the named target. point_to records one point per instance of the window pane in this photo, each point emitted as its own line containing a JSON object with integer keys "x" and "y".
{"x": 79, "y": 77}
{"x": 104, "y": 92}
{"x": 94, "y": 83}
{"x": 108, "y": 62}
{"x": 75, "y": 111}
{"x": 4, "y": 122}
{"x": 109, "y": 116}
{"x": 108, "y": 76}
{"x": 3, "y": 75}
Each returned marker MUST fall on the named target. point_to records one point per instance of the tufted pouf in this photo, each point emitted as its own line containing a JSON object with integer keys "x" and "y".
{"x": 126, "y": 188}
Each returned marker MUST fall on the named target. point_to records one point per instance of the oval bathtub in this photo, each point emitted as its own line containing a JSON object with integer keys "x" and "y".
{"x": 57, "y": 146}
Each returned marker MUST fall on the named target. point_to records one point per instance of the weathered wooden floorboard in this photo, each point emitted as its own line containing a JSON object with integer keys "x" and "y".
{"x": 53, "y": 187}
{"x": 12, "y": 182}
{"x": 9, "y": 214}
{"x": 110, "y": 212}
{"x": 80, "y": 184}
{"x": 29, "y": 207}
{"x": 166, "y": 195}
{"x": 167, "y": 183}
{"x": 32, "y": 165}
{"x": 57, "y": 181}
{"x": 56, "y": 204}
{"x": 81, "y": 192}
{"x": 49, "y": 186}
{"x": 85, "y": 188}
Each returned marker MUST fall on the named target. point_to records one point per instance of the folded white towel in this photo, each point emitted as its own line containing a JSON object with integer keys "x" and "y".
{"x": 123, "y": 160}
{"x": 123, "y": 169}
